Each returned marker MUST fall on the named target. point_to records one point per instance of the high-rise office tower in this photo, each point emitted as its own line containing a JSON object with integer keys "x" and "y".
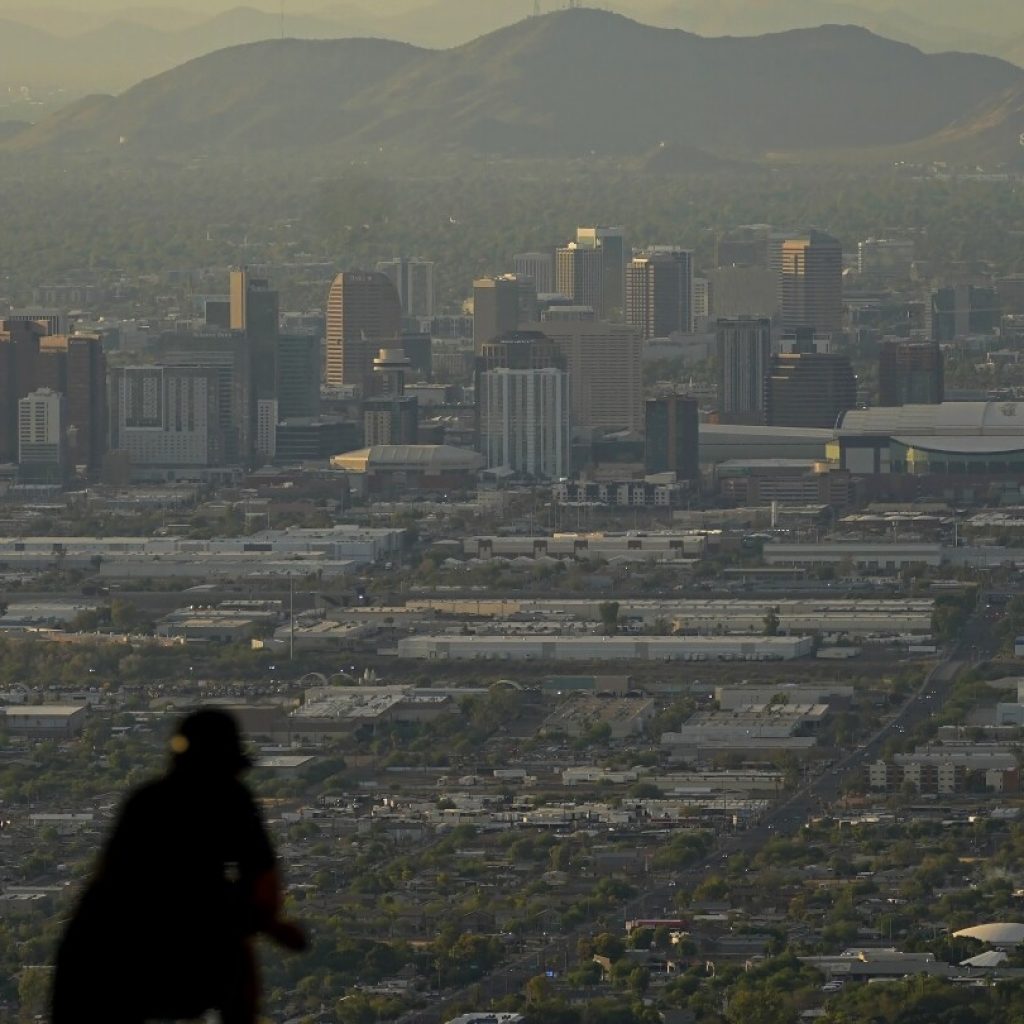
{"x": 672, "y": 426}
{"x": 808, "y": 389}
{"x": 238, "y": 409}
{"x": 744, "y": 350}
{"x": 42, "y": 447}
{"x": 19, "y": 355}
{"x": 524, "y": 421}
{"x": 539, "y": 267}
{"x": 604, "y": 362}
{"x": 82, "y": 378}
{"x": 910, "y": 373}
{"x": 497, "y": 307}
{"x": 363, "y": 311}
{"x": 614, "y": 257}
{"x": 298, "y": 376}
{"x": 659, "y": 292}
{"x": 390, "y": 416}
{"x": 254, "y": 314}
{"x": 579, "y": 274}
{"x": 166, "y": 417}
{"x": 811, "y": 283}
{"x": 413, "y": 279}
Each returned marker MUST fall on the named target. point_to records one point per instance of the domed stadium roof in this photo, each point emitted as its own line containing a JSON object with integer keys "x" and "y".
{"x": 1004, "y": 933}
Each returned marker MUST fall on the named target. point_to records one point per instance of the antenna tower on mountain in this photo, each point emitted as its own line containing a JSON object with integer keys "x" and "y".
{"x": 536, "y": 8}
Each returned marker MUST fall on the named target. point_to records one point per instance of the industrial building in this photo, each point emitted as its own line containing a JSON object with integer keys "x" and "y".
{"x": 44, "y": 721}
{"x": 608, "y": 648}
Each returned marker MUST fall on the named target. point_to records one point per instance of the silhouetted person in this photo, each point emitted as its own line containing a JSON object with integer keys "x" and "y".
{"x": 186, "y": 880}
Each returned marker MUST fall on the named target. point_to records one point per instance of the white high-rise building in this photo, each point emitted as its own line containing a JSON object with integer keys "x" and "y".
{"x": 166, "y": 416}
{"x": 41, "y": 442}
{"x": 524, "y": 421}
{"x": 413, "y": 279}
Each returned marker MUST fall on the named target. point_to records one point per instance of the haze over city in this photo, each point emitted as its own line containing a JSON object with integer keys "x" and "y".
{"x": 511, "y": 512}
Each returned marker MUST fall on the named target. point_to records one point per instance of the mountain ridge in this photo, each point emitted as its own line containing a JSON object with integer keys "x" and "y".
{"x": 570, "y": 83}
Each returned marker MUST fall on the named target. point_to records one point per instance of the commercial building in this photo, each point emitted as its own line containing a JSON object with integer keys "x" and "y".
{"x": 498, "y": 306}
{"x": 672, "y": 425}
{"x": 254, "y": 310}
{"x": 42, "y": 450}
{"x": 390, "y": 417}
{"x": 539, "y": 267}
{"x": 44, "y": 721}
{"x": 605, "y": 365}
{"x": 19, "y": 354}
{"x": 659, "y": 292}
{"x": 615, "y": 254}
{"x": 744, "y": 350}
{"x": 524, "y": 421}
{"x": 608, "y": 546}
{"x": 231, "y": 359}
{"x": 166, "y": 418}
{"x": 298, "y": 376}
{"x": 403, "y": 469}
{"x": 808, "y": 389}
{"x": 75, "y": 367}
{"x": 608, "y": 648}
{"x": 910, "y": 373}
{"x": 961, "y": 440}
{"x": 811, "y": 283}
{"x": 580, "y": 275}
{"x": 749, "y": 443}
{"x": 660, "y": 490}
{"x": 413, "y": 279}
{"x": 862, "y": 554}
{"x": 363, "y": 311}
{"x": 790, "y": 481}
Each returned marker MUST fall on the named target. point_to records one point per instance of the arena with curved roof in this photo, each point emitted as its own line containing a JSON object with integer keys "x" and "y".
{"x": 983, "y": 439}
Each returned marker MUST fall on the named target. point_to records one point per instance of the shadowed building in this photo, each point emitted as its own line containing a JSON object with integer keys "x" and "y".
{"x": 614, "y": 254}
{"x": 744, "y": 349}
{"x": 910, "y": 373}
{"x": 808, "y": 389}
{"x": 413, "y": 279}
{"x": 363, "y": 311}
{"x": 672, "y": 436}
{"x": 19, "y": 354}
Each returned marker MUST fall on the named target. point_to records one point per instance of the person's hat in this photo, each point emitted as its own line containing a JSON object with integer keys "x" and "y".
{"x": 210, "y": 740}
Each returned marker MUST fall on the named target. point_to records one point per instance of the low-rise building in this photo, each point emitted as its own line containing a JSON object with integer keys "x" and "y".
{"x": 45, "y": 721}
{"x": 608, "y": 648}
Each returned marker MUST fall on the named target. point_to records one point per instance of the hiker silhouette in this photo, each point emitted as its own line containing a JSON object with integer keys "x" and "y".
{"x": 186, "y": 880}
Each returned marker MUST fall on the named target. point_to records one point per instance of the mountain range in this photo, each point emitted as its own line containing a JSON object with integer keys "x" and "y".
{"x": 567, "y": 84}
{"x": 89, "y": 50}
